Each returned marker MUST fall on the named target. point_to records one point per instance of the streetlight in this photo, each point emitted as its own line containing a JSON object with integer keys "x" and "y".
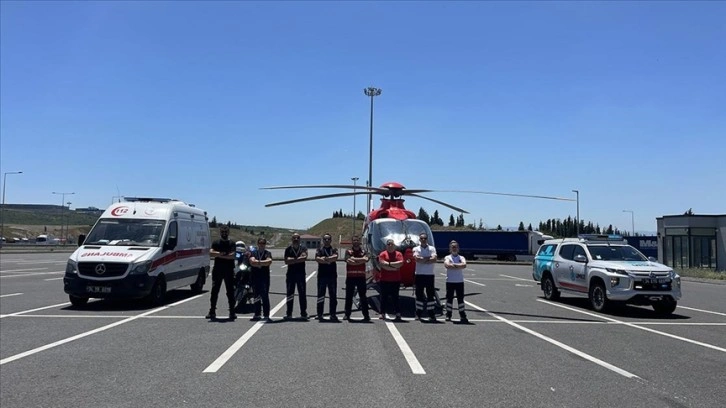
{"x": 372, "y": 92}
{"x": 63, "y": 200}
{"x": 67, "y": 221}
{"x": 2, "y": 212}
{"x": 577, "y": 223}
{"x": 354, "y": 214}
{"x": 632, "y": 220}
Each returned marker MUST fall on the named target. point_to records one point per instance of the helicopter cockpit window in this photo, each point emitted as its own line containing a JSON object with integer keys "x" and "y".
{"x": 404, "y": 233}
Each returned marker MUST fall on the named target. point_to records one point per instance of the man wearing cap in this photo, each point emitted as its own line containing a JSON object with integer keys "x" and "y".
{"x": 295, "y": 256}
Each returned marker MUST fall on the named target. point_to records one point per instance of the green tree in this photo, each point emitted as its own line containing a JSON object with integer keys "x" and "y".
{"x": 424, "y": 216}
{"x": 451, "y": 220}
{"x": 521, "y": 226}
{"x": 529, "y": 228}
{"x": 499, "y": 227}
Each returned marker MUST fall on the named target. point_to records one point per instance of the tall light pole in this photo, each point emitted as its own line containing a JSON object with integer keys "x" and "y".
{"x": 67, "y": 219}
{"x": 63, "y": 200}
{"x": 632, "y": 220}
{"x": 354, "y": 214}
{"x": 577, "y": 221}
{"x": 372, "y": 92}
{"x": 2, "y": 212}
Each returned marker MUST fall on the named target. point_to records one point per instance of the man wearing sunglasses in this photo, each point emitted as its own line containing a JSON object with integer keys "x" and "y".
{"x": 425, "y": 256}
{"x": 355, "y": 278}
{"x": 260, "y": 261}
{"x": 327, "y": 256}
{"x": 295, "y": 256}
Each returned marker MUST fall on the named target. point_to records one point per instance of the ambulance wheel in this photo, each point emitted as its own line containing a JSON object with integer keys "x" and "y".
{"x": 665, "y": 307}
{"x": 78, "y": 301}
{"x": 199, "y": 284}
{"x": 158, "y": 292}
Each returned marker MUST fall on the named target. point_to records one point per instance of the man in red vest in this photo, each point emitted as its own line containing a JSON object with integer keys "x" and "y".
{"x": 390, "y": 262}
{"x": 355, "y": 278}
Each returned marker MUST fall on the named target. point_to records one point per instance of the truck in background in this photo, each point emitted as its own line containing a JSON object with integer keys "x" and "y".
{"x": 648, "y": 245}
{"x": 504, "y": 245}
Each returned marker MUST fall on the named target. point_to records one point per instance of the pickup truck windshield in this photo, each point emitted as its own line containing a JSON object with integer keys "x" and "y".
{"x": 615, "y": 253}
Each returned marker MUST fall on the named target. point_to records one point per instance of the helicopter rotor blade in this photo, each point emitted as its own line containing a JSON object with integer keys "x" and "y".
{"x": 508, "y": 194}
{"x": 318, "y": 197}
{"x": 356, "y": 187}
{"x": 442, "y": 203}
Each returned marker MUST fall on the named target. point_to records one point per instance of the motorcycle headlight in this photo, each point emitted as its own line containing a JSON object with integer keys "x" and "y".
{"x": 141, "y": 268}
{"x": 71, "y": 267}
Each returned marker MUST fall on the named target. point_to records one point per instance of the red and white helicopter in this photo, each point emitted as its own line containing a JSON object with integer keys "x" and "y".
{"x": 391, "y": 221}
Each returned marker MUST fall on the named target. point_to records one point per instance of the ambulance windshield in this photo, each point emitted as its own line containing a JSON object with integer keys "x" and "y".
{"x": 126, "y": 232}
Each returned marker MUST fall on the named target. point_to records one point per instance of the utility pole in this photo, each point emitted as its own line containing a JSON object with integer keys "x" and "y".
{"x": 63, "y": 200}
{"x": 632, "y": 220}
{"x": 577, "y": 223}
{"x": 372, "y": 93}
{"x": 354, "y": 214}
{"x": 2, "y": 211}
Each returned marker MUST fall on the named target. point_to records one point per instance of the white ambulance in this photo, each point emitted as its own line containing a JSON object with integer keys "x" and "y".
{"x": 140, "y": 248}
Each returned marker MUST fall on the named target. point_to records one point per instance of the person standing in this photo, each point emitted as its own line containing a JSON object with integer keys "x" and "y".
{"x": 327, "y": 258}
{"x": 223, "y": 251}
{"x": 455, "y": 265}
{"x": 425, "y": 256}
{"x": 355, "y": 278}
{"x": 260, "y": 261}
{"x": 390, "y": 262}
{"x": 295, "y": 256}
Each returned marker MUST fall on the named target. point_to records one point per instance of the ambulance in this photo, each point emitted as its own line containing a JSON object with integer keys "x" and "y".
{"x": 140, "y": 248}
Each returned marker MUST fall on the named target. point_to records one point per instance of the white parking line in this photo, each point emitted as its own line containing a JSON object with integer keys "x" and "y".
{"x": 31, "y": 274}
{"x": 701, "y": 310}
{"x": 514, "y": 277}
{"x": 22, "y": 270}
{"x": 635, "y": 326}
{"x": 224, "y": 357}
{"x": 50, "y": 279}
{"x": 10, "y": 294}
{"x": 88, "y": 333}
{"x": 34, "y": 310}
{"x": 559, "y": 344}
{"x": 475, "y": 283}
{"x": 411, "y": 359}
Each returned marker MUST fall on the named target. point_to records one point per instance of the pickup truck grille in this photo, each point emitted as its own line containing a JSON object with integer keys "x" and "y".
{"x": 102, "y": 269}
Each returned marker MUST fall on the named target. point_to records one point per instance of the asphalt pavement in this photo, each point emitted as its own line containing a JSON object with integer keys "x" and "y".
{"x": 519, "y": 350}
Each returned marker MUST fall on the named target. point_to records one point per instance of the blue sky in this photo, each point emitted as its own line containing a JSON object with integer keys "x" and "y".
{"x": 209, "y": 101}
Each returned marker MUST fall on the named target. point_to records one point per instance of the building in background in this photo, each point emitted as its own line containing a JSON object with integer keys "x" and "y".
{"x": 692, "y": 241}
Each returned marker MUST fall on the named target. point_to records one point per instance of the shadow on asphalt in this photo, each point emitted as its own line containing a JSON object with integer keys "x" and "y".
{"x": 99, "y": 305}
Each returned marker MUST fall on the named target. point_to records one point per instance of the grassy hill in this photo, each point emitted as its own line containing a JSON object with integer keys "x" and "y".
{"x": 31, "y": 222}
{"x": 337, "y": 227}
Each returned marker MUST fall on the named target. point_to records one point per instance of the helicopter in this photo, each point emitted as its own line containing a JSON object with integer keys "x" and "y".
{"x": 391, "y": 221}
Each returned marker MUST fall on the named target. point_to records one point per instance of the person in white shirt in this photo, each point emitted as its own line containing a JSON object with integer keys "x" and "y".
{"x": 425, "y": 256}
{"x": 455, "y": 265}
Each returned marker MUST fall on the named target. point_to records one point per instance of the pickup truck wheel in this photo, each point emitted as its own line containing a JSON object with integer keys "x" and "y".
{"x": 549, "y": 288}
{"x": 665, "y": 307}
{"x": 78, "y": 301}
{"x": 598, "y": 297}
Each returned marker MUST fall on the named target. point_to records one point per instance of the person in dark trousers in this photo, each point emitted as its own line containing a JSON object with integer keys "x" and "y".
{"x": 295, "y": 256}
{"x": 260, "y": 260}
{"x": 390, "y": 262}
{"x": 425, "y": 256}
{"x": 223, "y": 251}
{"x": 355, "y": 278}
{"x": 327, "y": 256}
{"x": 455, "y": 265}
